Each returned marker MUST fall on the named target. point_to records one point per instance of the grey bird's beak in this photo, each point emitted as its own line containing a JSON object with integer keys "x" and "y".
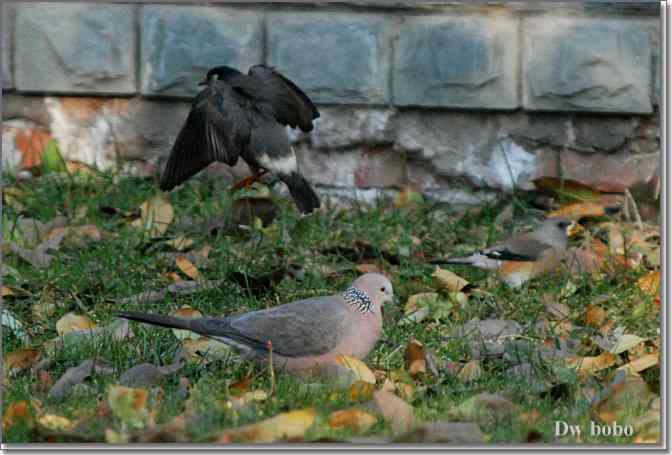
{"x": 202, "y": 83}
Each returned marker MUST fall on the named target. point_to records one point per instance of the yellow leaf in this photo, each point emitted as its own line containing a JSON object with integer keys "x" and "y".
{"x": 650, "y": 283}
{"x": 287, "y": 425}
{"x": 416, "y": 301}
{"x": 72, "y": 322}
{"x": 173, "y": 276}
{"x": 187, "y": 267}
{"x": 55, "y": 423}
{"x": 448, "y": 280}
{"x": 186, "y": 312}
{"x": 354, "y": 419}
{"x": 156, "y": 214}
{"x": 416, "y": 361}
{"x": 362, "y": 372}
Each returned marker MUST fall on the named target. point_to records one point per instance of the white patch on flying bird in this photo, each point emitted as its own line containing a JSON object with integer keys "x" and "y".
{"x": 281, "y": 165}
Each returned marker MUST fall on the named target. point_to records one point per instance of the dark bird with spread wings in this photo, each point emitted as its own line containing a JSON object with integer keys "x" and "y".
{"x": 245, "y": 115}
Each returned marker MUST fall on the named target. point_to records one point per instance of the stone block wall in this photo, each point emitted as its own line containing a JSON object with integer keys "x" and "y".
{"x": 462, "y": 101}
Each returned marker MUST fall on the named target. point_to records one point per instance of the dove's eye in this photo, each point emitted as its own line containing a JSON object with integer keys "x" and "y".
{"x": 382, "y": 289}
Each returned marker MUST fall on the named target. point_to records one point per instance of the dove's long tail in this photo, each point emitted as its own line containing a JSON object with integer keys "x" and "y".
{"x": 158, "y": 319}
{"x": 303, "y": 194}
{"x": 475, "y": 260}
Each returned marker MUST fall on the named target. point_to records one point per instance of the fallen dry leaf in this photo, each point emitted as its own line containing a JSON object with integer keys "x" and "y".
{"x": 361, "y": 390}
{"x": 642, "y": 363}
{"x": 14, "y": 413}
{"x": 626, "y": 396}
{"x": 407, "y": 197}
{"x": 354, "y": 419}
{"x": 369, "y": 268}
{"x": 650, "y": 283}
{"x": 187, "y": 268}
{"x": 415, "y": 358}
{"x": 626, "y": 342}
{"x": 591, "y": 365}
{"x": 156, "y": 214}
{"x": 449, "y": 280}
{"x": 578, "y": 210}
{"x": 72, "y": 322}
{"x": 359, "y": 368}
{"x": 54, "y": 422}
{"x": 293, "y": 424}
{"x": 595, "y": 316}
{"x": 20, "y": 360}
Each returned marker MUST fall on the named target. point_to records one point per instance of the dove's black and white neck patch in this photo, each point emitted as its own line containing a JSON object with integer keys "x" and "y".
{"x": 358, "y": 298}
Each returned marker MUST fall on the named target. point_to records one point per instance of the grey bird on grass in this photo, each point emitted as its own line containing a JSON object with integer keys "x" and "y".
{"x": 303, "y": 334}
{"x": 244, "y": 115}
{"x": 524, "y": 256}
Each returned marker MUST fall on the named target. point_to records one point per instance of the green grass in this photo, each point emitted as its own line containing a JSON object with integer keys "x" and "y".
{"x": 91, "y": 279}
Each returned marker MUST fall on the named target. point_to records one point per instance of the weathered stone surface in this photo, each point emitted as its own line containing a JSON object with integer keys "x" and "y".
{"x": 342, "y": 127}
{"x": 7, "y": 24}
{"x": 181, "y": 43}
{"x": 335, "y": 58}
{"x": 457, "y": 62}
{"x": 75, "y": 47}
{"x": 581, "y": 64}
{"x": 540, "y": 128}
{"x": 468, "y": 146}
{"x": 613, "y": 172}
{"x": 382, "y": 168}
{"x": 602, "y": 133}
{"x": 335, "y": 169}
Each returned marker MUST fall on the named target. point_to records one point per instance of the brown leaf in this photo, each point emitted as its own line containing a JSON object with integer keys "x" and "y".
{"x": 591, "y": 365}
{"x": 72, "y": 322}
{"x": 642, "y": 363}
{"x": 293, "y": 424}
{"x": 361, "y": 391}
{"x": 595, "y": 316}
{"x": 130, "y": 406}
{"x": 650, "y": 283}
{"x": 354, "y": 419}
{"x": 15, "y": 412}
{"x": 415, "y": 358}
{"x": 626, "y": 394}
{"x": 578, "y": 210}
{"x": 187, "y": 268}
{"x": 407, "y": 197}
{"x": 204, "y": 350}
{"x": 20, "y": 360}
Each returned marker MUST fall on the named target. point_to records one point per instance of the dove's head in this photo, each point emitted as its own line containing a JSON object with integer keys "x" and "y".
{"x": 219, "y": 73}
{"x": 555, "y": 231}
{"x": 369, "y": 292}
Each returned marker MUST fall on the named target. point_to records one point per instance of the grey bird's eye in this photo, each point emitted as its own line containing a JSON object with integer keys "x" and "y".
{"x": 382, "y": 289}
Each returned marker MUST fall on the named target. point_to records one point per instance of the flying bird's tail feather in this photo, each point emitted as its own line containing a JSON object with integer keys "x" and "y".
{"x": 158, "y": 319}
{"x": 301, "y": 191}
